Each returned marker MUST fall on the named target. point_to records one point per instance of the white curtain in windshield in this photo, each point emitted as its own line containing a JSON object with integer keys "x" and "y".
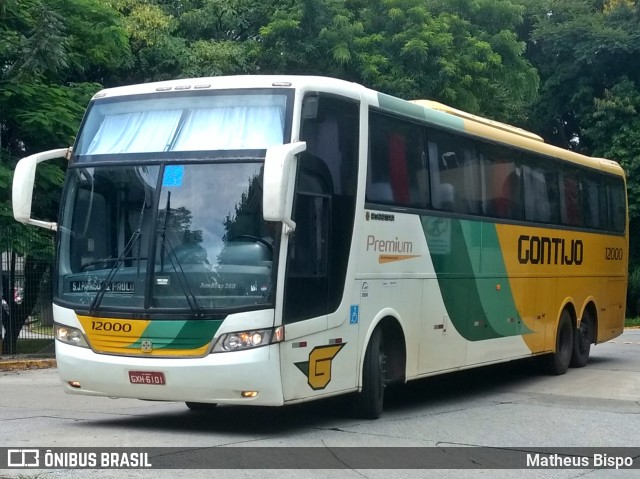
{"x": 136, "y": 132}
{"x": 230, "y": 128}
{"x": 217, "y": 128}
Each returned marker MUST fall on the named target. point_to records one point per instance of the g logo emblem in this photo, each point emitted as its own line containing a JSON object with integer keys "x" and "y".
{"x": 318, "y": 368}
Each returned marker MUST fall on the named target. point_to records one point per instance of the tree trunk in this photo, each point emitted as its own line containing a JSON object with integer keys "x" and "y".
{"x": 16, "y": 314}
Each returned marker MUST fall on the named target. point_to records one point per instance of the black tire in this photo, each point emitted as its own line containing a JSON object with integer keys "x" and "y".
{"x": 370, "y": 401}
{"x": 582, "y": 341}
{"x": 201, "y": 406}
{"x": 557, "y": 363}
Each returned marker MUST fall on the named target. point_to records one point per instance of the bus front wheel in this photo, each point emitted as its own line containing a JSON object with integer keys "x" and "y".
{"x": 557, "y": 363}
{"x": 370, "y": 400}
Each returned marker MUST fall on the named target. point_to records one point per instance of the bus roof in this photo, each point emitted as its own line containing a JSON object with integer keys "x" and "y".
{"x": 427, "y": 111}
{"x": 237, "y": 82}
{"x": 479, "y": 119}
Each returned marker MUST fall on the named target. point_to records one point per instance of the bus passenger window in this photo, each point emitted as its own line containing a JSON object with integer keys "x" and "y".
{"x": 617, "y": 206}
{"x": 571, "y": 203}
{"x": 503, "y": 183}
{"x": 594, "y": 196}
{"x": 397, "y": 173}
{"x": 455, "y": 173}
{"x": 540, "y": 190}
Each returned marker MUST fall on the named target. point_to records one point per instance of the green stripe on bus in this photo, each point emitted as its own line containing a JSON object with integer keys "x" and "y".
{"x": 179, "y": 334}
{"x": 396, "y": 105}
{"x": 493, "y": 283}
{"x": 477, "y": 307}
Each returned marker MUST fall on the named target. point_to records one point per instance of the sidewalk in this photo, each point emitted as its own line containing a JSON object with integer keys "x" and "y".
{"x": 21, "y": 364}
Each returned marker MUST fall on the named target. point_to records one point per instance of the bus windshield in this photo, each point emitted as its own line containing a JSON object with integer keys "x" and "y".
{"x": 163, "y": 202}
{"x": 199, "y": 225}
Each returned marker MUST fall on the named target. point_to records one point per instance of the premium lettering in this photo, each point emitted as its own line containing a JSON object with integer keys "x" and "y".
{"x": 545, "y": 250}
{"x": 388, "y": 246}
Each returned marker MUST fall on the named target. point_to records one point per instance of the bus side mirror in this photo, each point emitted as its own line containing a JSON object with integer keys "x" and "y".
{"x": 24, "y": 178}
{"x": 279, "y": 178}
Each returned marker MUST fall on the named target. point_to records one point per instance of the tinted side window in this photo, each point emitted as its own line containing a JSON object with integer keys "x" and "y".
{"x": 397, "y": 162}
{"x": 617, "y": 204}
{"x": 502, "y": 176}
{"x": 308, "y": 245}
{"x": 540, "y": 183}
{"x": 571, "y": 197}
{"x": 455, "y": 173}
{"x": 595, "y": 202}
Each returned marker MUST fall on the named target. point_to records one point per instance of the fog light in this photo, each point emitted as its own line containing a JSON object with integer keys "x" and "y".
{"x": 74, "y": 384}
{"x": 249, "y": 394}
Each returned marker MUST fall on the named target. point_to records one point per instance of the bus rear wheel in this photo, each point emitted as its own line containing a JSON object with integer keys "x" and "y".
{"x": 370, "y": 401}
{"x": 557, "y": 363}
{"x": 582, "y": 342}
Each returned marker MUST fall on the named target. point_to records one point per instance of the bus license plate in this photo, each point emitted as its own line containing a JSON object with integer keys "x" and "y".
{"x": 146, "y": 377}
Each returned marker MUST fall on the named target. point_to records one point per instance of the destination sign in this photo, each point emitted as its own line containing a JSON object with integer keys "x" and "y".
{"x": 95, "y": 286}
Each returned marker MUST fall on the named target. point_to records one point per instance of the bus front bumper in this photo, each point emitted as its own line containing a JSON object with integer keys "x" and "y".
{"x": 223, "y": 378}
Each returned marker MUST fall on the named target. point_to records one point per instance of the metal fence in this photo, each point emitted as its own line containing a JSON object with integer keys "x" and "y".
{"x": 26, "y": 288}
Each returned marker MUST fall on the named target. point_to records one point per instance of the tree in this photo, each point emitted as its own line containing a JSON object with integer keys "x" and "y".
{"x": 51, "y": 54}
{"x": 190, "y": 38}
{"x": 463, "y": 53}
{"x": 581, "y": 49}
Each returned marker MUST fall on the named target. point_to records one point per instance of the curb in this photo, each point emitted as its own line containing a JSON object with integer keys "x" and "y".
{"x": 26, "y": 364}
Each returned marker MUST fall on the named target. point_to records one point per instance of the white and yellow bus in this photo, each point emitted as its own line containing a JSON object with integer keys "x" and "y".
{"x": 266, "y": 240}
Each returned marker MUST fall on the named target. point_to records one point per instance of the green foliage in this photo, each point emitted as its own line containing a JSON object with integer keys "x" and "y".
{"x": 581, "y": 50}
{"x": 612, "y": 128}
{"x": 633, "y": 293}
{"x": 190, "y": 38}
{"x": 466, "y": 55}
{"x": 49, "y": 49}
{"x": 52, "y": 53}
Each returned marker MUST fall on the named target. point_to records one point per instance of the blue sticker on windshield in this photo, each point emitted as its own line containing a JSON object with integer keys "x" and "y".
{"x": 173, "y": 175}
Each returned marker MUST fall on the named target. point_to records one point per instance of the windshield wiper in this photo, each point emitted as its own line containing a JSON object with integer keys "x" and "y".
{"x": 177, "y": 267}
{"x": 112, "y": 272}
{"x": 182, "y": 279}
{"x": 135, "y": 237}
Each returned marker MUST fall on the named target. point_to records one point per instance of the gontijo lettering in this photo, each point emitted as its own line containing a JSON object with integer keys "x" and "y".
{"x": 545, "y": 250}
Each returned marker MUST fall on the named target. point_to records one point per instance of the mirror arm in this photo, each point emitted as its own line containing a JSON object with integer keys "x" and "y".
{"x": 289, "y": 226}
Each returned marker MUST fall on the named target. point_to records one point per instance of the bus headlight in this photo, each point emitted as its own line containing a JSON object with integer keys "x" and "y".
{"x": 69, "y": 335}
{"x": 241, "y": 340}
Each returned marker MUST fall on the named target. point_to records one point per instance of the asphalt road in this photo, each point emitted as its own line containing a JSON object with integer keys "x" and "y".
{"x": 510, "y": 405}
